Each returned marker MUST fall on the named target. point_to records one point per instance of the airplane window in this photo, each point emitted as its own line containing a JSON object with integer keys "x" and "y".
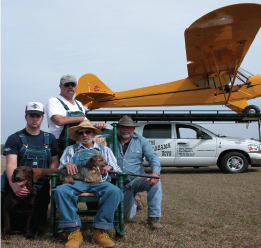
{"x": 157, "y": 131}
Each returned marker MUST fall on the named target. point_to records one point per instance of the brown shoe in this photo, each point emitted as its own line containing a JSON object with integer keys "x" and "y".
{"x": 74, "y": 239}
{"x": 138, "y": 202}
{"x": 102, "y": 238}
{"x": 154, "y": 224}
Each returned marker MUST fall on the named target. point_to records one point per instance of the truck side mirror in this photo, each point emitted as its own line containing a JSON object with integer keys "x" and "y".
{"x": 202, "y": 135}
{"x": 199, "y": 134}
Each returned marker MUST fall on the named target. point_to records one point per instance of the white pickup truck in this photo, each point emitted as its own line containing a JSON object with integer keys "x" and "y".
{"x": 180, "y": 144}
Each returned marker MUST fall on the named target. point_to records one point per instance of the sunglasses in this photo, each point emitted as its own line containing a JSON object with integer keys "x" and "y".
{"x": 86, "y": 132}
{"x": 69, "y": 84}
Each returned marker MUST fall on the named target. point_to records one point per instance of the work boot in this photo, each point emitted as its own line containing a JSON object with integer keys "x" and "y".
{"x": 74, "y": 239}
{"x": 138, "y": 202}
{"x": 102, "y": 238}
{"x": 154, "y": 224}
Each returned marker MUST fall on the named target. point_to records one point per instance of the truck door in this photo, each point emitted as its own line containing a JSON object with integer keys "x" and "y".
{"x": 161, "y": 140}
{"x": 192, "y": 150}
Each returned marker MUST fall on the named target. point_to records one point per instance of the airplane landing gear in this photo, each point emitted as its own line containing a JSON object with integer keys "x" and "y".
{"x": 251, "y": 110}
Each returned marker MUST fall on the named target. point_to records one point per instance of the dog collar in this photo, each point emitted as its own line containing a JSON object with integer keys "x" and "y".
{"x": 89, "y": 165}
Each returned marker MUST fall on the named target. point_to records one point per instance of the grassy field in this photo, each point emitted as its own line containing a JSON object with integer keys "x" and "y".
{"x": 201, "y": 208}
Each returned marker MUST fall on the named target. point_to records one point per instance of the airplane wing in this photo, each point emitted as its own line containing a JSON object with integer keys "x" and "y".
{"x": 217, "y": 42}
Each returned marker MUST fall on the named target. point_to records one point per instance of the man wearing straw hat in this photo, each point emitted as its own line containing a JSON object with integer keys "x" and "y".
{"x": 132, "y": 148}
{"x": 66, "y": 194}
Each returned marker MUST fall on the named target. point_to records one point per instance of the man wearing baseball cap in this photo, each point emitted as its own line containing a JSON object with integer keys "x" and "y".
{"x": 64, "y": 109}
{"x": 22, "y": 149}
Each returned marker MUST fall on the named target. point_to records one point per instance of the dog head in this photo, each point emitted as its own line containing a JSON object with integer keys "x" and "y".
{"x": 24, "y": 173}
{"x": 97, "y": 160}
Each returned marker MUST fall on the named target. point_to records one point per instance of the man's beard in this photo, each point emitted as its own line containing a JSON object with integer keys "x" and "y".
{"x": 125, "y": 136}
{"x": 86, "y": 141}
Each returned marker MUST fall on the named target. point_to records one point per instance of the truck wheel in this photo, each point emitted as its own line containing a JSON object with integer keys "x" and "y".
{"x": 251, "y": 110}
{"x": 234, "y": 162}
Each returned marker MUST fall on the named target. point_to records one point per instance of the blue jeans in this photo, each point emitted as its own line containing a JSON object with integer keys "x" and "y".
{"x": 66, "y": 200}
{"x": 154, "y": 197}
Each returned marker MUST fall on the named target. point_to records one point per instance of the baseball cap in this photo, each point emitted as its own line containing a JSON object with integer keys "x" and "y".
{"x": 34, "y": 108}
{"x": 68, "y": 79}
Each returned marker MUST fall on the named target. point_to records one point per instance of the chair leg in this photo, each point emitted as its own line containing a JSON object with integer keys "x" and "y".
{"x": 121, "y": 207}
{"x": 121, "y": 218}
{"x": 52, "y": 209}
{"x": 52, "y": 217}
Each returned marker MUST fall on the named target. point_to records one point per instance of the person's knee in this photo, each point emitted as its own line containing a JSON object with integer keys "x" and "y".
{"x": 60, "y": 191}
{"x": 115, "y": 191}
{"x": 155, "y": 187}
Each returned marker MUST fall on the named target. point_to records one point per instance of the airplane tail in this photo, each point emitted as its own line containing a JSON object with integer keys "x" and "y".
{"x": 90, "y": 88}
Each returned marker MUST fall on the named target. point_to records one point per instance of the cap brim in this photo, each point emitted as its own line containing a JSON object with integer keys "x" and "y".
{"x": 68, "y": 81}
{"x": 34, "y": 112}
{"x": 72, "y": 131}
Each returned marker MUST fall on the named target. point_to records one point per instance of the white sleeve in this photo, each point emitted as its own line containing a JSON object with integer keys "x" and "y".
{"x": 66, "y": 157}
{"x": 110, "y": 159}
{"x": 54, "y": 107}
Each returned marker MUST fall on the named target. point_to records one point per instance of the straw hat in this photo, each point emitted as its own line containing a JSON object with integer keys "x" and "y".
{"x": 127, "y": 122}
{"x": 84, "y": 124}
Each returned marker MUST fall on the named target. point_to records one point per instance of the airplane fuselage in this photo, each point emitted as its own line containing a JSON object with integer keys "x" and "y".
{"x": 180, "y": 93}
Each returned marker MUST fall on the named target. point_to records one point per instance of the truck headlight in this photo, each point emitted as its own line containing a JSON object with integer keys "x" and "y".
{"x": 254, "y": 148}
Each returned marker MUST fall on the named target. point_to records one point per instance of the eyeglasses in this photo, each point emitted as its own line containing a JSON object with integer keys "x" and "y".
{"x": 86, "y": 132}
{"x": 69, "y": 84}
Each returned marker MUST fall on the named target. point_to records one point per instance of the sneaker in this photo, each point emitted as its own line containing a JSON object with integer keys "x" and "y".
{"x": 74, "y": 239}
{"x": 102, "y": 238}
{"x": 154, "y": 224}
{"x": 138, "y": 202}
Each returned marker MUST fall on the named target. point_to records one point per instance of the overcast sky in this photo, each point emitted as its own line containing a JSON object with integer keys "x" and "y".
{"x": 127, "y": 44}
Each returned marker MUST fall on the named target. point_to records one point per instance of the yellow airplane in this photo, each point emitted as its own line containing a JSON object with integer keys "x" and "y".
{"x": 215, "y": 45}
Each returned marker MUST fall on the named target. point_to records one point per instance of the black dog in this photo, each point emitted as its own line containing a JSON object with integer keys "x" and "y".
{"x": 90, "y": 172}
{"x": 20, "y": 205}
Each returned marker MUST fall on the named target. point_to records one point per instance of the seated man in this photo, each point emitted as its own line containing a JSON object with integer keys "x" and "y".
{"x": 66, "y": 194}
{"x": 132, "y": 148}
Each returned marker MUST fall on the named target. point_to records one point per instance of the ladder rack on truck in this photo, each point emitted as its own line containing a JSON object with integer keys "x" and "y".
{"x": 171, "y": 115}
{"x": 174, "y": 115}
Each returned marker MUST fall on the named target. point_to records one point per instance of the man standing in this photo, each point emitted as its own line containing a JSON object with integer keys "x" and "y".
{"x": 64, "y": 109}
{"x": 22, "y": 149}
{"x": 66, "y": 194}
{"x": 131, "y": 150}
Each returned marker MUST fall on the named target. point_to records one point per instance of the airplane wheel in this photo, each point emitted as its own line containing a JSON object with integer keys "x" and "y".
{"x": 251, "y": 110}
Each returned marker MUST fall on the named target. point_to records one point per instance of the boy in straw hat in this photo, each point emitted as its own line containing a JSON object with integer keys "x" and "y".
{"x": 66, "y": 195}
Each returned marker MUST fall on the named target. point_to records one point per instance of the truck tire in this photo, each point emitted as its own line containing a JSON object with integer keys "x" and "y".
{"x": 234, "y": 162}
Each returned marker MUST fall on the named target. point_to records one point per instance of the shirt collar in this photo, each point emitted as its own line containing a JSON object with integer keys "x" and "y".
{"x": 81, "y": 146}
{"x": 135, "y": 135}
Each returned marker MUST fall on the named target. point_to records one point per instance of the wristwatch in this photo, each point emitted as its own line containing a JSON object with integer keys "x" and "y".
{"x": 157, "y": 173}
